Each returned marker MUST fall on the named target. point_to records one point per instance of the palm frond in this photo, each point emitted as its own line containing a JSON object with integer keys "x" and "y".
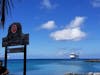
{"x": 5, "y": 9}
{"x": 3, "y": 13}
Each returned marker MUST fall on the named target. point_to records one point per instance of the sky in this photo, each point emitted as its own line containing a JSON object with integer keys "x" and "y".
{"x": 57, "y": 28}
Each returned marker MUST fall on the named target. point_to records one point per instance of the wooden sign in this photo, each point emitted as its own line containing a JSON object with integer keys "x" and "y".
{"x": 15, "y": 36}
{"x": 15, "y": 50}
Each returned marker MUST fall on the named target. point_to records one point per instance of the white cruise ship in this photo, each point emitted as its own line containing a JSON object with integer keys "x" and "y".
{"x": 74, "y": 56}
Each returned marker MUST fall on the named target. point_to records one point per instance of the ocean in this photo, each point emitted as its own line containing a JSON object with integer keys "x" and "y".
{"x": 52, "y": 66}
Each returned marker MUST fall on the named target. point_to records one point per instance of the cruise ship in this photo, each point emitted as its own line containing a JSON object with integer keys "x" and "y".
{"x": 73, "y": 56}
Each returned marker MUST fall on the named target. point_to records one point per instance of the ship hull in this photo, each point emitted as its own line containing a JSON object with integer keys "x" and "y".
{"x": 73, "y": 56}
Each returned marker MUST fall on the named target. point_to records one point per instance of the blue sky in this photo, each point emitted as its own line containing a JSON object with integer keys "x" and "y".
{"x": 57, "y": 27}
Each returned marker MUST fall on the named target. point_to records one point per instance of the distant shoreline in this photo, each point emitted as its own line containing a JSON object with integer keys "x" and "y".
{"x": 93, "y": 60}
{"x": 87, "y": 59}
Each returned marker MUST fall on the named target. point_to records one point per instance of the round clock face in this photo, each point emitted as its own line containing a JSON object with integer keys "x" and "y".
{"x": 14, "y": 28}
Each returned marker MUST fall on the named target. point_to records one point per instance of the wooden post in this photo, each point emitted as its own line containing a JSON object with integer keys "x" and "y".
{"x": 6, "y": 57}
{"x": 25, "y": 55}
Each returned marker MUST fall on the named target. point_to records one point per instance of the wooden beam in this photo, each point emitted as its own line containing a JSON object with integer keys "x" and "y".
{"x": 25, "y": 57}
{"x": 6, "y": 57}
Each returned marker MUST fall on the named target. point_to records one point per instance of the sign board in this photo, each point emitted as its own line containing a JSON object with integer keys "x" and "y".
{"x": 24, "y": 39}
{"x": 15, "y": 50}
{"x": 15, "y": 36}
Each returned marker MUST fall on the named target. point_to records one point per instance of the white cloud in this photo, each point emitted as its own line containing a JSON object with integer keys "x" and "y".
{"x": 77, "y": 21}
{"x": 71, "y": 32}
{"x": 48, "y": 25}
{"x": 47, "y": 4}
{"x": 96, "y": 3}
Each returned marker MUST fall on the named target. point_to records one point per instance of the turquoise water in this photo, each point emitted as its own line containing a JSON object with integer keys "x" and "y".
{"x": 52, "y": 67}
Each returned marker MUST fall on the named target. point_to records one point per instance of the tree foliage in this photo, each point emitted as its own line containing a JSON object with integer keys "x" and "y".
{"x": 5, "y": 9}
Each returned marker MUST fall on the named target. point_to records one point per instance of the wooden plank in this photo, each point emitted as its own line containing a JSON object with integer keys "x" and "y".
{"x": 23, "y": 40}
{"x": 15, "y": 50}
